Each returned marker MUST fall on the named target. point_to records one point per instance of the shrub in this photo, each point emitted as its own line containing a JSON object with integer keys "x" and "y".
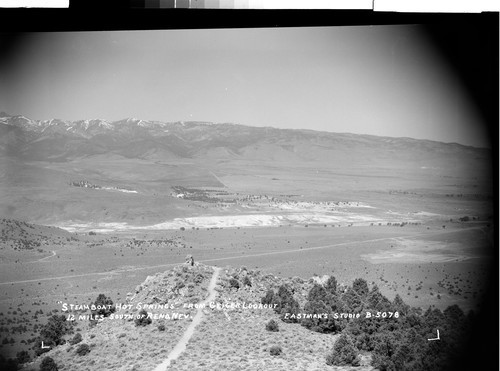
{"x": 76, "y": 339}
{"x": 199, "y": 278}
{"x": 352, "y": 300}
{"x": 23, "y": 357}
{"x": 272, "y": 326}
{"x": 331, "y": 285}
{"x": 385, "y": 350}
{"x": 318, "y": 293}
{"x": 269, "y": 298}
{"x": 83, "y": 349}
{"x": 378, "y": 301}
{"x": 161, "y": 327}
{"x": 247, "y": 282}
{"x": 8, "y": 364}
{"x": 234, "y": 283}
{"x": 142, "y": 318}
{"x": 320, "y": 323}
{"x": 275, "y": 350}
{"x": 398, "y": 305}
{"x": 361, "y": 287}
{"x": 52, "y": 332}
{"x": 48, "y": 364}
{"x": 105, "y": 304}
{"x": 344, "y": 353}
{"x": 286, "y": 304}
{"x": 284, "y": 301}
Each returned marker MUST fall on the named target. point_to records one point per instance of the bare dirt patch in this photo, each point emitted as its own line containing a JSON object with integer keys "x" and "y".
{"x": 417, "y": 251}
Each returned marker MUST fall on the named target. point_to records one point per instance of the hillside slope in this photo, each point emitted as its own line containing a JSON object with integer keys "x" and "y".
{"x": 21, "y": 235}
{"x": 319, "y": 324}
{"x": 231, "y": 337}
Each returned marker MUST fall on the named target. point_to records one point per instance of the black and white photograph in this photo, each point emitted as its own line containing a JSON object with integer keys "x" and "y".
{"x": 308, "y": 197}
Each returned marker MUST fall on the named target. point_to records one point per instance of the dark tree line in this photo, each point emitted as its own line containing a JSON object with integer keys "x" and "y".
{"x": 395, "y": 341}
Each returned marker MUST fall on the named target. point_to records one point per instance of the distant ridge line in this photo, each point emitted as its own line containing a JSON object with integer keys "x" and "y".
{"x": 42, "y": 124}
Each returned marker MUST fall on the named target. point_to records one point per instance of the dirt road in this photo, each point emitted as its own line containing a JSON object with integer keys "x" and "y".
{"x": 288, "y": 251}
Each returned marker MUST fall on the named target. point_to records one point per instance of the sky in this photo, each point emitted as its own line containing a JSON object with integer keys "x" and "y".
{"x": 378, "y": 80}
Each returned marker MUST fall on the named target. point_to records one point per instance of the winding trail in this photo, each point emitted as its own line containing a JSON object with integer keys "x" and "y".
{"x": 181, "y": 345}
{"x": 45, "y": 259}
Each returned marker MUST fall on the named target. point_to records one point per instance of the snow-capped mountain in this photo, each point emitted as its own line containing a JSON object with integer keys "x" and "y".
{"x": 61, "y": 140}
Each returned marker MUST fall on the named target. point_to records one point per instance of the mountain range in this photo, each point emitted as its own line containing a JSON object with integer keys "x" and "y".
{"x": 58, "y": 140}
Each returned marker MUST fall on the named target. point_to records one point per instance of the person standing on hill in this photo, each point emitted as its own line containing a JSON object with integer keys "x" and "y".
{"x": 190, "y": 260}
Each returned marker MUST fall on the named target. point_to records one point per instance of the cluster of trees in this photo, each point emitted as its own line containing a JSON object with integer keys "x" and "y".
{"x": 285, "y": 303}
{"x": 52, "y": 333}
{"x": 47, "y": 364}
{"x": 194, "y": 194}
{"x": 404, "y": 344}
{"x": 9, "y": 364}
{"x": 344, "y": 352}
{"x": 57, "y": 327}
{"x": 84, "y": 184}
{"x": 395, "y": 341}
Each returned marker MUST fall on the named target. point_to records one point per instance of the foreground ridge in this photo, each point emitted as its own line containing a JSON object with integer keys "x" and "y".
{"x": 181, "y": 345}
